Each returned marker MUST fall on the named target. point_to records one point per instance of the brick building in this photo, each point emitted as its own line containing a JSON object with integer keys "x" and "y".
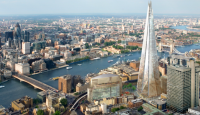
{"x": 139, "y": 44}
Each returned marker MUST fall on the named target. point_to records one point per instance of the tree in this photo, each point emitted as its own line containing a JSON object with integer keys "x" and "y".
{"x": 129, "y": 85}
{"x": 119, "y": 41}
{"x": 40, "y": 112}
{"x": 122, "y": 107}
{"x": 133, "y": 88}
{"x": 114, "y": 109}
{"x": 140, "y": 108}
{"x": 87, "y": 46}
{"x": 36, "y": 101}
{"x": 63, "y": 101}
{"x": 57, "y": 113}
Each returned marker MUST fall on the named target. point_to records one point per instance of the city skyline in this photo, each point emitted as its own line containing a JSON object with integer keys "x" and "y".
{"x": 97, "y": 7}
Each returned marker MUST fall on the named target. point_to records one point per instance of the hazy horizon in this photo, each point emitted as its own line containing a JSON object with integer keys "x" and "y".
{"x": 105, "y": 7}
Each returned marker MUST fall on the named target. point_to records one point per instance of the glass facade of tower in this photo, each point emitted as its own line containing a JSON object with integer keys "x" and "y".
{"x": 105, "y": 92}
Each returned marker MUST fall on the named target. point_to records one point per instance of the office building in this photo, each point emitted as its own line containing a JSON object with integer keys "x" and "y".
{"x": 17, "y": 31}
{"x": 38, "y": 65}
{"x": 26, "y": 47}
{"x": 148, "y": 84}
{"x": 25, "y": 36}
{"x": 8, "y": 35}
{"x": 182, "y": 83}
{"x": 22, "y": 68}
{"x": 22, "y": 103}
{"x": 65, "y": 83}
{"x": 38, "y": 45}
{"x": 104, "y": 86}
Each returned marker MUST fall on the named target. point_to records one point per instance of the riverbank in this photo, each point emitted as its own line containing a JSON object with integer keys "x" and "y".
{"x": 49, "y": 70}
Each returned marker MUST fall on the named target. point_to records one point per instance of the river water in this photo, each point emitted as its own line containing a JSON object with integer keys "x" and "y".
{"x": 15, "y": 89}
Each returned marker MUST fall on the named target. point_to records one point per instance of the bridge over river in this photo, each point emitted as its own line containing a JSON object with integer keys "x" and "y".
{"x": 35, "y": 83}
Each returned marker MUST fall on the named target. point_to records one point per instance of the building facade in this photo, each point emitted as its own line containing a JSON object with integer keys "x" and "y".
{"x": 22, "y": 68}
{"x": 26, "y": 47}
{"x": 182, "y": 83}
{"x": 65, "y": 84}
{"x": 104, "y": 86}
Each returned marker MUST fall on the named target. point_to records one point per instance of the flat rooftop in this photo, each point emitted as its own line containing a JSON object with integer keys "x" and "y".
{"x": 105, "y": 75}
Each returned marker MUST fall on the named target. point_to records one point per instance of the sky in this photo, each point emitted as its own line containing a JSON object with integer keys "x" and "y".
{"x": 29, "y": 7}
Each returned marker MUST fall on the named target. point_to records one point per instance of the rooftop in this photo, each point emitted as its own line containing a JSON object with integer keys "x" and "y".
{"x": 105, "y": 75}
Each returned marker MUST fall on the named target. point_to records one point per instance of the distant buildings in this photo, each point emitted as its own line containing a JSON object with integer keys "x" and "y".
{"x": 182, "y": 83}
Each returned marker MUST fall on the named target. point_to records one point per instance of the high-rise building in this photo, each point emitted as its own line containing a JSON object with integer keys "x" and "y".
{"x": 182, "y": 83}
{"x": 65, "y": 83}
{"x": 8, "y": 35}
{"x": 148, "y": 84}
{"x": 25, "y": 36}
{"x": 25, "y": 47}
{"x": 17, "y": 32}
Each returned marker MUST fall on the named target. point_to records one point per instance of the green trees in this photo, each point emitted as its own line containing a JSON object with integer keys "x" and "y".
{"x": 140, "y": 108}
{"x": 57, "y": 113}
{"x": 132, "y": 47}
{"x": 122, "y": 107}
{"x": 109, "y": 43}
{"x": 124, "y": 51}
{"x": 40, "y": 112}
{"x": 119, "y": 41}
{"x": 87, "y": 46}
{"x": 77, "y": 59}
{"x": 133, "y": 88}
{"x": 63, "y": 101}
{"x": 114, "y": 109}
{"x": 117, "y": 47}
{"x": 36, "y": 101}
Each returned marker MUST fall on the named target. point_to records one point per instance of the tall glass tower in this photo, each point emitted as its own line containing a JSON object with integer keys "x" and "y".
{"x": 148, "y": 84}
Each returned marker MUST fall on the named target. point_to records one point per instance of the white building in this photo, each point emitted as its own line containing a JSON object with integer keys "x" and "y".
{"x": 22, "y": 68}
{"x": 26, "y": 47}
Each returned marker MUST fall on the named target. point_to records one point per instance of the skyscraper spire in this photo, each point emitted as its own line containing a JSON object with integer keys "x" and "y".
{"x": 148, "y": 79}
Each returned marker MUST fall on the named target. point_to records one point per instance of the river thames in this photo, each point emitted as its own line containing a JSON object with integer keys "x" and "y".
{"x": 15, "y": 89}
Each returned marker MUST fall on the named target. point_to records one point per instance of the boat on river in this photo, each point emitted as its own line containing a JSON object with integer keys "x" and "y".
{"x": 68, "y": 67}
{"x": 2, "y": 86}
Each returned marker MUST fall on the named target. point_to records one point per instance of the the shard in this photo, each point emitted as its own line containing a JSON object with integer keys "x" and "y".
{"x": 148, "y": 84}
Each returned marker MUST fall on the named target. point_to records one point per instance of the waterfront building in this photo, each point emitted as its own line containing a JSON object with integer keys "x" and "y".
{"x": 148, "y": 84}
{"x": 104, "y": 86}
{"x": 38, "y": 65}
{"x": 22, "y": 68}
{"x": 65, "y": 83}
{"x": 182, "y": 83}
{"x": 25, "y": 47}
{"x": 22, "y": 104}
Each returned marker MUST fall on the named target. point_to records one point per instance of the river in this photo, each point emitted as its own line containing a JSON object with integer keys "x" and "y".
{"x": 15, "y": 89}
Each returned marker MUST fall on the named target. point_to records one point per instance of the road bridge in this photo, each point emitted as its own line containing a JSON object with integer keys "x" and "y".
{"x": 35, "y": 83}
